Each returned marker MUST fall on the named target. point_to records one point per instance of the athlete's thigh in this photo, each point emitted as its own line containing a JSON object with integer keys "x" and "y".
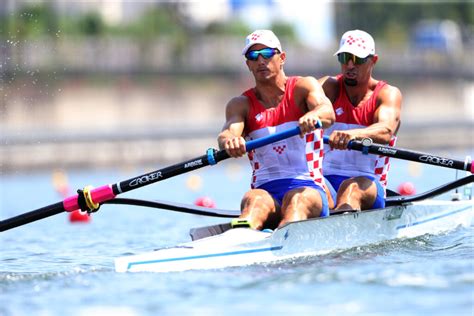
{"x": 305, "y": 201}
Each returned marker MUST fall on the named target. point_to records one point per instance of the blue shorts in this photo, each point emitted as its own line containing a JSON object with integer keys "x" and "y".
{"x": 278, "y": 189}
{"x": 333, "y": 182}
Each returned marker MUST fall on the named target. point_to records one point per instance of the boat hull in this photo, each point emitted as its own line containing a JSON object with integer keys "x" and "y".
{"x": 243, "y": 246}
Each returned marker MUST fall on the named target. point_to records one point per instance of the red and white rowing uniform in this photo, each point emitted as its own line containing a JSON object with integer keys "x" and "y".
{"x": 350, "y": 163}
{"x": 291, "y": 158}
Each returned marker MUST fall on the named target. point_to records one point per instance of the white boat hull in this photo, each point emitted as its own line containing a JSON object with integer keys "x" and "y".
{"x": 243, "y": 246}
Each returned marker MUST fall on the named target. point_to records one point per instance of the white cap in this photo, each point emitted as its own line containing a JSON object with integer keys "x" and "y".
{"x": 264, "y": 37}
{"x": 357, "y": 43}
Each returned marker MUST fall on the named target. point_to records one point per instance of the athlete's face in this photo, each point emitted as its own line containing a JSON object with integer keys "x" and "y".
{"x": 268, "y": 63}
{"x": 357, "y": 70}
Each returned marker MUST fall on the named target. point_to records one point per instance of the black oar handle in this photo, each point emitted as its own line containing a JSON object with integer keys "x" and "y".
{"x": 366, "y": 146}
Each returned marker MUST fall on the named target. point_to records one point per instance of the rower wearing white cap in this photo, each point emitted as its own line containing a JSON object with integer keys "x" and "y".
{"x": 287, "y": 182}
{"x": 365, "y": 108}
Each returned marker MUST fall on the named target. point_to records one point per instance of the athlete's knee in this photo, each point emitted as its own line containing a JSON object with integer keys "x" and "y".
{"x": 357, "y": 193}
{"x": 363, "y": 183}
{"x": 257, "y": 197}
{"x": 259, "y": 208}
{"x": 355, "y": 184}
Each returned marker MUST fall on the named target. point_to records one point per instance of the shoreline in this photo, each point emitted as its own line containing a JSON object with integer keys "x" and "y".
{"x": 81, "y": 123}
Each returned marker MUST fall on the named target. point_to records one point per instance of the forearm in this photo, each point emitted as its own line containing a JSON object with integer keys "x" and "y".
{"x": 379, "y": 133}
{"x": 320, "y": 105}
{"x": 326, "y": 115}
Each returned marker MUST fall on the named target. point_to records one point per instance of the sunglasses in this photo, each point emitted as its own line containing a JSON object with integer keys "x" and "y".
{"x": 345, "y": 57}
{"x": 265, "y": 53}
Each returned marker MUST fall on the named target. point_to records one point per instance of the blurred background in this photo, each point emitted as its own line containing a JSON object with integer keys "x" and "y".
{"x": 91, "y": 84}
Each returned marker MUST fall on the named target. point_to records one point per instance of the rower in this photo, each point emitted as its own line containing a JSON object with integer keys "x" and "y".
{"x": 366, "y": 108}
{"x": 287, "y": 183}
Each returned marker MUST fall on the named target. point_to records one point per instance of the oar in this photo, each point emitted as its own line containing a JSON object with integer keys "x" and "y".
{"x": 366, "y": 146}
{"x": 177, "y": 207}
{"x": 90, "y": 199}
{"x": 399, "y": 200}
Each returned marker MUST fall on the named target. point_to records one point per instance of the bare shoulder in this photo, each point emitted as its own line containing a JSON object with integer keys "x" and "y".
{"x": 307, "y": 82}
{"x": 327, "y": 80}
{"x": 239, "y": 101}
{"x": 330, "y": 86}
{"x": 306, "y": 86}
{"x": 238, "y": 106}
{"x": 390, "y": 95}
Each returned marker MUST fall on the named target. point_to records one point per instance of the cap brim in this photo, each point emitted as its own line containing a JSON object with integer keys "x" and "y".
{"x": 246, "y": 48}
{"x": 351, "y": 51}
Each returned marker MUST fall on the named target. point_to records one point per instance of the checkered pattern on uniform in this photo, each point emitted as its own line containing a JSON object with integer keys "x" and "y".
{"x": 315, "y": 154}
{"x": 382, "y": 166}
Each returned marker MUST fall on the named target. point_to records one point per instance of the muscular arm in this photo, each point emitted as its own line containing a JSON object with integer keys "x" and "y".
{"x": 386, "y": 119}
{"x": 387, "y": 116}
{"x": 230, "y": 138}
{"x": 310, "y": 97}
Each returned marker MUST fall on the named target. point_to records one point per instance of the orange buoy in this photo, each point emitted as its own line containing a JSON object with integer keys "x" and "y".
{"x": 406, "y": 188}
{"x": 205, "y": 201}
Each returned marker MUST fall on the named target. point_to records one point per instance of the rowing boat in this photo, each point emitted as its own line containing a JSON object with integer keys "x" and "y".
{"x": 245, "y": 246}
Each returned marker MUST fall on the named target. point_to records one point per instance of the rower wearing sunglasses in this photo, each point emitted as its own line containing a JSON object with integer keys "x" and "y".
{"x": 365, "y": 108}
{"x": 286, "y": 182}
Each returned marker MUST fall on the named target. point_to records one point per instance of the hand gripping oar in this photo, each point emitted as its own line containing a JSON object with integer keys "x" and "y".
{"x": 89, "y": 199}
{"x": 366, "y": 146}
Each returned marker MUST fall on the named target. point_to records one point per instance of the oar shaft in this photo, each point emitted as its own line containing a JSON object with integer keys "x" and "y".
{"x": 398, "y": 200}
{"x": 178, "y": 207}
{"x": 162, "y": 174}
{"x": 32, "y": 216}
{"x": 410, "y": 155}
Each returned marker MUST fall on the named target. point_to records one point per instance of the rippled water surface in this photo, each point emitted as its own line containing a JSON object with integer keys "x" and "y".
{"x": 53, "y": 267}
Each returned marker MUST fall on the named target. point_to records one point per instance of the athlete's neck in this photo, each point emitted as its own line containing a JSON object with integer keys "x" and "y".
{"x": 271, "y": 92}
{"x": 360, "y": 92}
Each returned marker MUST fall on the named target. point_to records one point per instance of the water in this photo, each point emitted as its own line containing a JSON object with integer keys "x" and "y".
{"x": 52, "y": 267}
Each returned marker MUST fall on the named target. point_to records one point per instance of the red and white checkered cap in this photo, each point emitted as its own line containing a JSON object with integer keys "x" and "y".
{"x": 264, "y": 37}
{"x": 358, "y": 43}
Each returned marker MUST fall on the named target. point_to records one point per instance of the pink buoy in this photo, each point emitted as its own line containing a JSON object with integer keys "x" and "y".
{"x": 205, "y": 201}
{"x": 406, "y": 188}
{"x": 79, "y": 217}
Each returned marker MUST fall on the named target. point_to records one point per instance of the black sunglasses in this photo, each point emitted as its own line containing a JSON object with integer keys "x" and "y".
{"x": 265, "y": 53}
{"x": 345, "y": 57}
